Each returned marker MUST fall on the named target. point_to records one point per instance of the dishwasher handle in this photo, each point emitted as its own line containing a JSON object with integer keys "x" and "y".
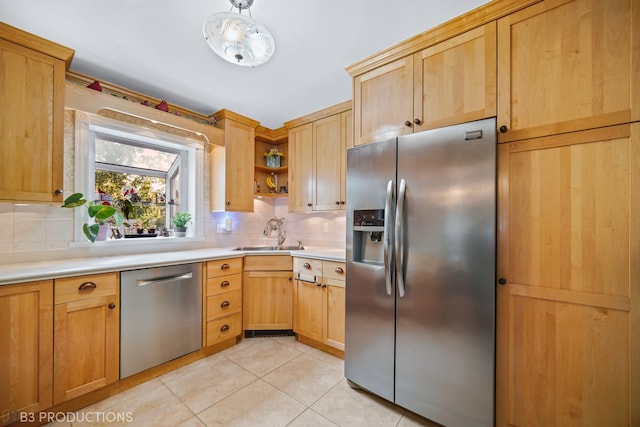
{"x": 166, "y": 279}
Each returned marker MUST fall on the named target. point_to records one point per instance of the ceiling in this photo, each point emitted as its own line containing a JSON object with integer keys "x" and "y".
{"x": 156, "y": 47}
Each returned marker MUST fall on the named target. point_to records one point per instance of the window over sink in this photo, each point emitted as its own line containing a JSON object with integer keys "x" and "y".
{"x": 160, "y": 173}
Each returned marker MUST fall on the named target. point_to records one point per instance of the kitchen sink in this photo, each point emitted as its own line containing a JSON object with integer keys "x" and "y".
{"x": 269, "y": 248}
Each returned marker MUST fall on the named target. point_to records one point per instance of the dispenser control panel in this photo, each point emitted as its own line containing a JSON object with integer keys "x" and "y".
{"x": 368, "y": 218}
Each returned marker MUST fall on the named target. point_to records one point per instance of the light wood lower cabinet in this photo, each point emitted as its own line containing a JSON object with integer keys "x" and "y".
{"x": 223, "y": 301}
{"x": 568, "y": 298}
{"x": 268, "y": 297}
{"x": 319, "y": 301}
{"x": 87, "y": 340}
{"x": 26, "y": 348}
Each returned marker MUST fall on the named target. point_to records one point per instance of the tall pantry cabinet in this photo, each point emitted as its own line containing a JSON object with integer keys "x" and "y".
{"x": 568, "y": 273}
{"x": 569, "y": 211}
{"x": 32, "y": 76}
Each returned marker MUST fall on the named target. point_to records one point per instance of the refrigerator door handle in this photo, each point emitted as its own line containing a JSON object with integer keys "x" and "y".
{"x": 399, "y": 238}
{"x": 388, "y": 238}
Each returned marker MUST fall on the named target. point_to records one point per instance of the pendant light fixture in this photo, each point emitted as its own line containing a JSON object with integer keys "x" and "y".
{"x": 237, "y": 38}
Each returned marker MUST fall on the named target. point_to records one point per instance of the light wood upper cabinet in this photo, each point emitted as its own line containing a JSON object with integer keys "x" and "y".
{"x": 26, "y": 348}
{"x": 331, "y": 138}
{"x": 383, "y": 102}
{"x": 451, "y": 82}
{"x": 232, "y": 166}
{"x": 567, "y": 65}
{"x": 568, "y": 314}
{"x": 455, "y": 81}
{"x": 87, "y": 334}
{"x": 32, "y": 120}
{"x": 301, "y": 168}
{"x": 317, "y": 151}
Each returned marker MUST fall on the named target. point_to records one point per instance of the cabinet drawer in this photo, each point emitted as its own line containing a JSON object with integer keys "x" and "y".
{"x": 222, "y": 329}
{"x": 217, "y": 285}
{"x": 308, "y": 266}
{"x": 333, "y": 270}
{"x": 85, "y": 287}
{"x": 224, "y": 304}
{"x": 222, "y": 267}
{"x": 267, "y": 263}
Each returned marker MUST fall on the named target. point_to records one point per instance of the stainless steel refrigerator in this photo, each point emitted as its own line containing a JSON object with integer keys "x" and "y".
{"x": 420, "y": 293}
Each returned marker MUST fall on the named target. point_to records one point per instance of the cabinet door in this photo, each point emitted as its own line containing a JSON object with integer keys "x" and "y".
{"x": 231, "y": 169}
{"x": 86, "y": 346}
{"x": 347, "y": 139}
{"x": 383, "y": 102}
{"x": 26, "y": 347}
{"x": 301, "y": 170}
{"x": 455, "y": 81}
{"x": 568, "y": 314}
{"x": 267, "y": 300}
{"x": 328, "y": 154}
{"x": 239, "y": 146}
{"x": 309, "y": 309}
{"x": 31, "y": 124}
{"x": 334, "y": 313}
{"x": 567, "y": 65}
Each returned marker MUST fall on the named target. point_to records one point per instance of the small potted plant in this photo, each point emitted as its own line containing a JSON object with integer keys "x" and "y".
{"x": 180, "y": 220}
{"x": 103, "y": 214}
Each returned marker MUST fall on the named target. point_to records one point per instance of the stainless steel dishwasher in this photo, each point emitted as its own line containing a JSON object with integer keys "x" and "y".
{"x": 160, "y": 315}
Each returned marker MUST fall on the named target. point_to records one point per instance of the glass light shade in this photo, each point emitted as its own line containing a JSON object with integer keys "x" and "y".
{"x": 238, "y": 39}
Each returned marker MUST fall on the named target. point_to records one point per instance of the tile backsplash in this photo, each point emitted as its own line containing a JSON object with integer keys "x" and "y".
{"x": 45, "y": 232}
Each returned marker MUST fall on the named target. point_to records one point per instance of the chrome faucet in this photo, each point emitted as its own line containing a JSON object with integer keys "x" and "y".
{"x": 276, "y": 224}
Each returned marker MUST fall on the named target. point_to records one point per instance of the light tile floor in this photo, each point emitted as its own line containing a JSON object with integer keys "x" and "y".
{"x": 272, "y": 381}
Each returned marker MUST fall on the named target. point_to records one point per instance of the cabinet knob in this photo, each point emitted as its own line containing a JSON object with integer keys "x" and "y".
{"x": 324, "y": 285}
{"x": 224, "y": 283}
{"x": 58, "y": 191}
{"x": 342, "y": 202}
{"x": 225, "y": 266}
{"x": 318, "y": 284}
{"x": 225, "y": 304}
{"x": 87, "y": 286}
{"x": 417, "y": 121}
{"x": 309, "y": 204}
{"x": 339, "y": 270}
{"x": 337, "y": 202}
{"x": 227, "y": 203}
{"x": 503, "y": 129}
{"x": 502, "y": 281}
{"x": 224, "y": 328}
{"x": 112, "y": 306}
{"x": 407, "y": 124}
{"x": 307, "y": 266}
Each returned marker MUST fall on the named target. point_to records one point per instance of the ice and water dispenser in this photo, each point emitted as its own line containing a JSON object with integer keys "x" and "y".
{"x": 368, "y": 234}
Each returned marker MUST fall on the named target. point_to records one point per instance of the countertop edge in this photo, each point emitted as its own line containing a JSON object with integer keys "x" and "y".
{"x": 47, "y": 270}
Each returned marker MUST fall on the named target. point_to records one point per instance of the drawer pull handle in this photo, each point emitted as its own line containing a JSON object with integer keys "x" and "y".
{"x": 87, "y": 286}
{"x": 224, "y": 283}
{"x": 112, "y": 306}
{"x": 318, "y": 284}
{"x": 225, "y": 266}
{"x": 339, "y": 270}
{"x": 307, "y": 265}
{"x": 224, "y": 328}
{"x": 225, "y": 304}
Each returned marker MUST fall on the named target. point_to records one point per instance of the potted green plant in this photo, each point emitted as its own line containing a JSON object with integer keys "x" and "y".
{"x": 103, "y": 214}
{"x": 180, "y": 220}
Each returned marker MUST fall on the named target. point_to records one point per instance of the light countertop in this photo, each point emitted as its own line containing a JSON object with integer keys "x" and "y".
{"x": 43, "y": 270}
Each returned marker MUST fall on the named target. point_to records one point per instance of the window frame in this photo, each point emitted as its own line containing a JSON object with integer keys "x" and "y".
{"x": 191, "y": 172}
